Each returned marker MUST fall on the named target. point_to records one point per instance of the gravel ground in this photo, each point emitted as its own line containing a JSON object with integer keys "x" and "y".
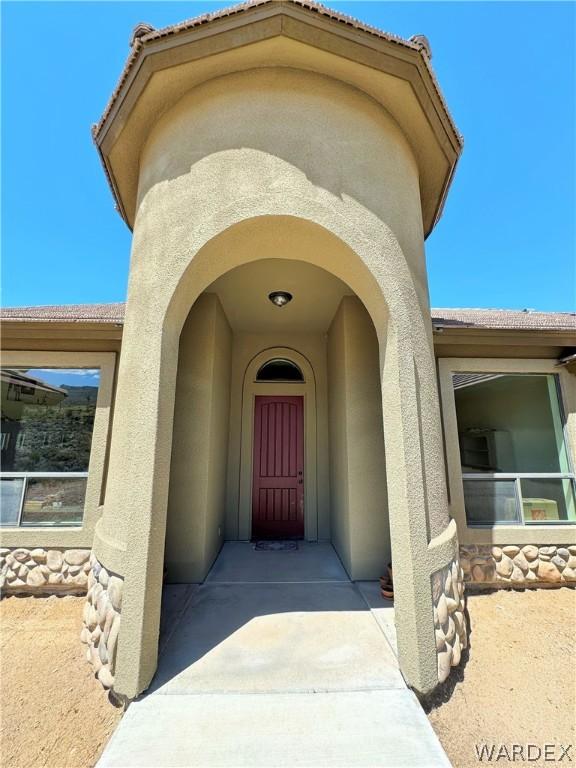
{"x": 519, "y": 683}
{"x": 53, "y": 712}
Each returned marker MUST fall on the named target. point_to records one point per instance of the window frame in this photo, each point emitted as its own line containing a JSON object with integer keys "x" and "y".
{"x": 81, "y": 534}
{"x": 504, "y": 532}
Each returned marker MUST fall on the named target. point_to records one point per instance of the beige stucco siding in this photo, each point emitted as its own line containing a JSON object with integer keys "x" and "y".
{"x": 358, "y": 466}
{"x": 306, "y": 120}
{"x": 196, "y": 505}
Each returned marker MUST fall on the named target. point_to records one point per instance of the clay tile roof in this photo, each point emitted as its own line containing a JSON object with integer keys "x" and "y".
{"x": 487, "y": 319}
{"x": 504, "y": 319}
{"x": 68, "y": 313}
{"x": 141, "y": 37}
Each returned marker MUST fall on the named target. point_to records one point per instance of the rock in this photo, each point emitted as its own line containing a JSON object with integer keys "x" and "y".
{"x": 531, "y": 575}
{"x": 10, "y": 560}
{"x": 86, "y": 612}
{"x": 444, "y": 664}
{"x": 95, "y": 659}
{"x": 38, "y": 555}
{"x": 87, "y": 568}
{"x": 451, "y": 604}
{"x": 80, "y": 580}
{"x": 460, "y": 623}
{"x": 92, "y": 622}
{"x": 465, "y": 564}
{"x": 20, "y": 555}
{"x": 478, "y": 573}
{"x": 36, "y": 578}
{"x": 54, "y": 560}
{"x": 563, "y": 553}
{"x": 544, "y": 558}
{"x": 558, "y": 562}
{"x": 496, "y": 553}
{"x": 548, "y": 551}
{"x": 4, "y": 551}
{"x": 548, "y": 572}
{"x": 442, "y": 609}
{"x": 104, "y": 578}
{"x": 450, "y": 631}
{"x": 74, "y": 570}
{"x": 448, "y": 584}
{"x": 76, "y": 556}
{"x": 511, "y": 550}
{"x": 108, "y": 622}
{"x": 533, "y": 565}
{"x": 101, "y": 605}
{"x": 22, "y": 571}
{"x": 530, "y": 552}
{"x": 96, "y": 635}
{"x": 440, "y": 640}
{"x": 103, "y": 653}
{"x": 521, "y": 562}
{"x": 85, "y": 635}
{"x": 112, "y": 638}
{"x": 115, "y": 592}
{"x": 571, "y": 561}
{"x": 505, "y": 567}
{"x": 17, "y": 583}
{"x": 572, "y": 549}
{"x": 105, "y": 677}
{"x": 455, "y": 571}
{"x": 10, "y": 577}
{"x": 569, "y": 574}
{"x": 517, "y": 576}
{"x": 456, "y": 652}
{"x": 55, "y": 578}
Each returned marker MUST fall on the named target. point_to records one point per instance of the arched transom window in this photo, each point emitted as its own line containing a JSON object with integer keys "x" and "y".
{"x": 279, "y": 370}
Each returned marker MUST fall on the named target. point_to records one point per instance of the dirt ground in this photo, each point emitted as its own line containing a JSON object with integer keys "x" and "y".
{"x": 519, "y": 683}
{"x": 53, "y": 712}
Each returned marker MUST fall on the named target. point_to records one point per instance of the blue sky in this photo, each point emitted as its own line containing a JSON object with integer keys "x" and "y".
{"x": 506, "y": 239}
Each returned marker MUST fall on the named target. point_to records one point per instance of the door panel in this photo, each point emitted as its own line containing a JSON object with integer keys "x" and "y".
{"x": 278, "y": 468}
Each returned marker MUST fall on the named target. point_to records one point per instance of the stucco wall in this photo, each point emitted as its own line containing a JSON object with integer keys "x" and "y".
{"x": 358, "y": 466}
{"x": 307, "y": 120}
{"x": 196, "y": 506}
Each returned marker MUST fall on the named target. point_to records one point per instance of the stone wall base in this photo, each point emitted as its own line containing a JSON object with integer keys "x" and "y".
{"x": 528, "y": 565}
{"x": 44, "y": 571}
{"x": 449, "y": 619}
{"x": 102, "y": 621}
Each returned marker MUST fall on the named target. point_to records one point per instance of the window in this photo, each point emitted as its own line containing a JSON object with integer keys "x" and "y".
{"x": 47, "y": 423}
{"x": 279, "y": 370}
{"x": 515, "y": 464}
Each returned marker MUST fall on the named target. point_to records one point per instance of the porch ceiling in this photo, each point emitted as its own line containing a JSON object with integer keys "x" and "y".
{"x": 244, "y": 291}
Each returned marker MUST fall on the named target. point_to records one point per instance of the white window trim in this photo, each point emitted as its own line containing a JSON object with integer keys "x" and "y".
{"x": 501, "y": 533}
{"x": 81, "y": 535}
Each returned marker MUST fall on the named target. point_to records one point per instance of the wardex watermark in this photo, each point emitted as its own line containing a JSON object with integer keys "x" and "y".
{"x": 528, "y": 753}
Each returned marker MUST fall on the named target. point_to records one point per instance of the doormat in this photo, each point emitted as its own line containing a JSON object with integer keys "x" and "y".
{"x": 276, "y": 546}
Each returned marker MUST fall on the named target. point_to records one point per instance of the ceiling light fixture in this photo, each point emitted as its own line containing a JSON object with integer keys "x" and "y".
{"x": 280, "y": 298}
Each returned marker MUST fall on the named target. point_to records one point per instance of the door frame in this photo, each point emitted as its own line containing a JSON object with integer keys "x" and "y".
{"x": 307, "y": 389}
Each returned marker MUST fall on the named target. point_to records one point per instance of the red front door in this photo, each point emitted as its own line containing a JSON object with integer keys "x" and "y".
{"x": 278, "y": 468}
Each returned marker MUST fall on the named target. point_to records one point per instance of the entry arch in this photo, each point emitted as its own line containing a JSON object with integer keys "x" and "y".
{"x": 367, "y": 256}
{"x": 307, "y": 388}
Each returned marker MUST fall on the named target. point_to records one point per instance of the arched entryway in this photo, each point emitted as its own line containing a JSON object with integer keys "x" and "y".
{"x": 354, "y": 247}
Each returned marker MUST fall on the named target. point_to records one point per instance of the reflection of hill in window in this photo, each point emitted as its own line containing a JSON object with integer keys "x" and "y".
{"x": 57, "y": 437}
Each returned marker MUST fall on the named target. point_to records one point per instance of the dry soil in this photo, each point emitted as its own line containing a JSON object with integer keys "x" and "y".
{"x": 518, "y": 685}
{"x": 53, "y": 712}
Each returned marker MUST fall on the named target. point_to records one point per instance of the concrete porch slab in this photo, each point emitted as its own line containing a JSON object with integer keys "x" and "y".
{"x": 365, "y": 729}
{"x": 276, "y": 637}
{"x": 239, "y": 562}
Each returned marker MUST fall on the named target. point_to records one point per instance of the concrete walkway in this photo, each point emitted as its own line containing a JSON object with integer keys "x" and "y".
{"x": 276, "y": 660}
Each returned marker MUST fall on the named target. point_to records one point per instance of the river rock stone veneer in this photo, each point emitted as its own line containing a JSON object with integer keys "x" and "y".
{"x": 102, "y": 620}
{"x": 527, "y": 565}
{"x": 449, "y": 619}
{"x": 44, "y": 570}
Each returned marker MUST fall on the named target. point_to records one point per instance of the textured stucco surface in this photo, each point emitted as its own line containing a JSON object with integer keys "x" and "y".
{"x": 194, "y": 220}
{"x": 196, "y": 503}
{"x": 357, "y": 459}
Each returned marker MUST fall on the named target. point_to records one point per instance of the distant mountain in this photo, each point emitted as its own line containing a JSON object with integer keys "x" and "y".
{"x": 80, "y": 395}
